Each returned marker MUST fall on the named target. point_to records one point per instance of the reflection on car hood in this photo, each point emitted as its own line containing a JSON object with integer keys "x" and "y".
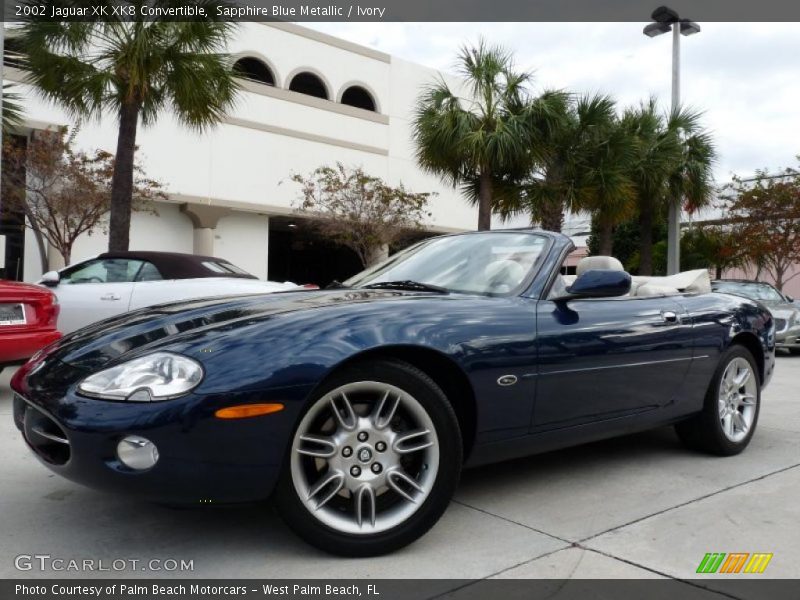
{"x": 93, "y": 346}
{"x": 779, "y": 308}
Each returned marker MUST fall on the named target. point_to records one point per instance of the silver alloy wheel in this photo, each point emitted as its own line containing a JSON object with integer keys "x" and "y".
{"x": 738, "y": 393}
{"x": 365, "y": 457}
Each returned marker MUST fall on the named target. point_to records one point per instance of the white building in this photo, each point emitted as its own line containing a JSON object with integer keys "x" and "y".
{"x": 320, "y": 100}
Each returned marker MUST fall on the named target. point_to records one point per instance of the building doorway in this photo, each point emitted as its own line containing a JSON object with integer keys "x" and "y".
{"x": 298, "y": 253}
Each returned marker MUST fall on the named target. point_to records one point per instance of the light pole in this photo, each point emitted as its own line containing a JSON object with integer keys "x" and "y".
{"x": 665, "y": 20}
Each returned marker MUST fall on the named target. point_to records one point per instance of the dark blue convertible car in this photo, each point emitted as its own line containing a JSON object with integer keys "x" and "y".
{"x": 356, "y": 408}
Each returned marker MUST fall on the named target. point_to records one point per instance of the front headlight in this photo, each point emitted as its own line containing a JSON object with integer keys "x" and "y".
{"x": 158, "y": 376}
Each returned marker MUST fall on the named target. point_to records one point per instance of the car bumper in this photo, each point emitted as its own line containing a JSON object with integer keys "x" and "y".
{"x": 202, "y": 459}
{"x": 789, "y": 338}
{"x": 16, "y": 348}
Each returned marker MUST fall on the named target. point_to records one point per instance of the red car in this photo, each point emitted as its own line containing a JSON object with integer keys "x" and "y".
{"x": 28, "y": 316}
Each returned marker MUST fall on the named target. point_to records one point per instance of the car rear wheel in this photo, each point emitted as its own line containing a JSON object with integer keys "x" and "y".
{"x": 730, "y": 413}
{"x": 373, "y": 462}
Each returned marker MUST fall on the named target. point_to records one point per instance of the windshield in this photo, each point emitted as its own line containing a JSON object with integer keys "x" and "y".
{"x": 478, "y": 263}
{"x": 754, "y": 291}
{"x": 225, "y": 268}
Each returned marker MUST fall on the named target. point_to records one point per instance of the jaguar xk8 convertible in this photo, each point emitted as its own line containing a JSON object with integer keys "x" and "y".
{"x": 356, "y": 408}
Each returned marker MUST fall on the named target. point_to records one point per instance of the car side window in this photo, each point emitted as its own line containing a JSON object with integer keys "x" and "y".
{"x": 102, "y": 270}
{"x": 149, "y": 272}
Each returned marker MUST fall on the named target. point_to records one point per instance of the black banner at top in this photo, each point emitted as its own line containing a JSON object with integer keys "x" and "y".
{"x": 400, "y": 10}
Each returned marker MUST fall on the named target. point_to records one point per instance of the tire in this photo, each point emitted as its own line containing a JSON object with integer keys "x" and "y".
{"x": 368, "y": 510}
{"x": 717, "y": 429}
{"x": 794, "y": 351}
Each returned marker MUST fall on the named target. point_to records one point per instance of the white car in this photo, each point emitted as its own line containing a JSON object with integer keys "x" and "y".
{"x": 117, "y": 282}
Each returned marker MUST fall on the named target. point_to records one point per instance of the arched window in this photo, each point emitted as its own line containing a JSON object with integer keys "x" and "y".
{"x": 309, "y": 84}
{"x": 254, "y": 70}
{"x": 359, "y": 97}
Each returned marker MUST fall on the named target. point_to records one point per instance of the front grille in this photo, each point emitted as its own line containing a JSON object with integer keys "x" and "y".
{"x": 43, "y": 434}
{"x": 780, "y": 325}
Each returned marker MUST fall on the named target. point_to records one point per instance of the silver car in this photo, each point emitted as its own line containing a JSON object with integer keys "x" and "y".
{"x": 783, "y": 308}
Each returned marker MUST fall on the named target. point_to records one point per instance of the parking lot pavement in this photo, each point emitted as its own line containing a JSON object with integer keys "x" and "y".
{"x": 636, "y": 507}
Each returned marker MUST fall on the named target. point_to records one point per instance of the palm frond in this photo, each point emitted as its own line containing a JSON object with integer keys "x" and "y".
{"x": 87, "y": 67}
{"x": 12, "y": 108}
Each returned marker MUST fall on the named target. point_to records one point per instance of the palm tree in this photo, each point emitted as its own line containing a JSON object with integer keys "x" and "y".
{"x": 483, "y": 143}
{"x": 12, "y": 108}
{"x": 691, "y": 178}
{"x": 585, "y": 166}
{"x": 673, "y": 159}
{"x": 137, "y": 70}
{"x": 613, "y": 197}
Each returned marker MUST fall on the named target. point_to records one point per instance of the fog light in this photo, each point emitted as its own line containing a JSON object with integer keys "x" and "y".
{"x": 137, "y": 452}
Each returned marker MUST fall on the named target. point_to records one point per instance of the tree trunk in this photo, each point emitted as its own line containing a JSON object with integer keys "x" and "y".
{"x": 122, "y": 180}
{"x": 718, "y": 273}
{"x": 553, "y": 215}
{"x": 66, "y": 254}
{"x": 645, "y": 240}
{"x": 485, "y": 202}
{"x": 605, "y": 235}
{"x": 779, "y": 273}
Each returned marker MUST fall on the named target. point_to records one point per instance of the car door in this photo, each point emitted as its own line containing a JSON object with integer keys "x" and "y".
{"x": 600, "y": 358}
{"x": 149, "y": 293}
{"x": 95, "y": 290}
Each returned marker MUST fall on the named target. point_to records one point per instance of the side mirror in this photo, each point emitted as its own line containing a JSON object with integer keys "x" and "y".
{"x": 601, "y": 283}
{"x": 51, "y": 279}
{"x": 790, "y": 299}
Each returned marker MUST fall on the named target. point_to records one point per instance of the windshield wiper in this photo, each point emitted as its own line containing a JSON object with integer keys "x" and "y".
{"x": 406, "y": 285}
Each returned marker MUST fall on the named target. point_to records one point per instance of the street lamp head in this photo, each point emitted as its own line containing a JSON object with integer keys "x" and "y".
{"x": 689, "y": 27}
{"x": 664, "y": 14}
{"x": 654, "y": 29}
{"x": 664, "y": 17}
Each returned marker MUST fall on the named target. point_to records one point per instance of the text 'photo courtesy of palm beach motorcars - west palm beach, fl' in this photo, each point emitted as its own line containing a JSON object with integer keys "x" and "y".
{"x": 392, "y": 297}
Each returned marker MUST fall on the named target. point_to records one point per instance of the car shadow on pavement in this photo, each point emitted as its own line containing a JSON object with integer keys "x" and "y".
{"x": 661, "y": 443}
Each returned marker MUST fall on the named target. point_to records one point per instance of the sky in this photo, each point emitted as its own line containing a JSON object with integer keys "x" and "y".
{"x": 745, "y": 77}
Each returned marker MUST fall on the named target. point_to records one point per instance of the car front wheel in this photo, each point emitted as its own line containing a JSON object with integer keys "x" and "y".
{"x": 730, "y": 413}
{"x": 373, "y": 462}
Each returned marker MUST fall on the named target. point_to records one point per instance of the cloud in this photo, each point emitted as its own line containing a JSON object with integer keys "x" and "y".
{"x": 744, "y": 76}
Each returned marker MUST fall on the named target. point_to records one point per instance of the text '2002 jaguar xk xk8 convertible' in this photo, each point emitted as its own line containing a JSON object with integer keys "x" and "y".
{"x": 356, "y": 408}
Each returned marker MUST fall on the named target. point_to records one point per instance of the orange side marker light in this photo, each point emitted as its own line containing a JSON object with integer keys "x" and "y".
{"x": 244, "y": 411}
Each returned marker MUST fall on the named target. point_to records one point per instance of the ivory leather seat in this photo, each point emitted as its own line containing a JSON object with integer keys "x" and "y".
{"x": 696, "y": 281}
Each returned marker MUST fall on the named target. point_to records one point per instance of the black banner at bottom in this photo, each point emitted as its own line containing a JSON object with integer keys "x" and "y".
{"x": 401, "y": 589}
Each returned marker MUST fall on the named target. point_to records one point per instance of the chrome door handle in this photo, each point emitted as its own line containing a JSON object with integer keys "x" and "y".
{"x": 669, "y": 316}
{"x": 111, "y": 297}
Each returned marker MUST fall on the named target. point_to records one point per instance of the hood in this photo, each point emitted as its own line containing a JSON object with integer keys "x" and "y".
{"x": 143, "y": 330}
{"x": 785, "y": 311}
{"x": 778, "y": 305}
